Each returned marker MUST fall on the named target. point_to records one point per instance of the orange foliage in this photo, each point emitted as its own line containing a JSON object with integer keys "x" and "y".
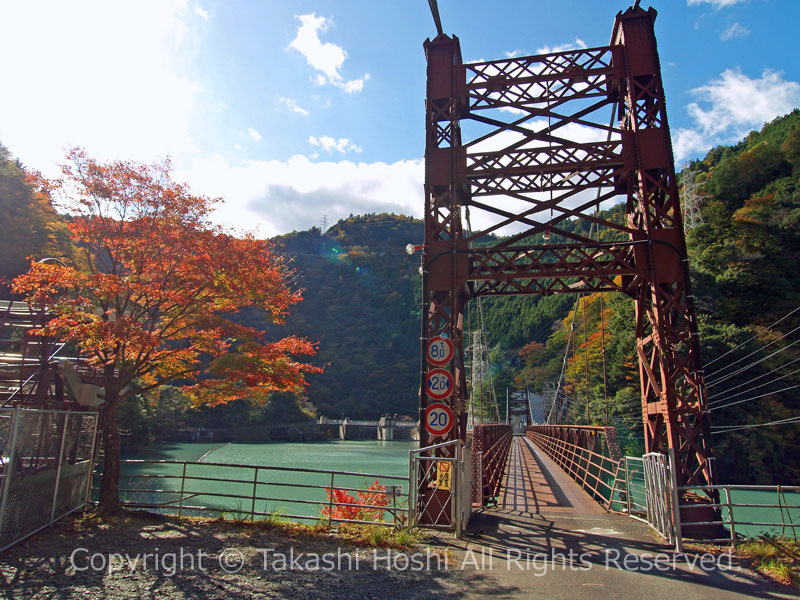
{"x": 359, "y": 507}
{"x": 162, "y": 285}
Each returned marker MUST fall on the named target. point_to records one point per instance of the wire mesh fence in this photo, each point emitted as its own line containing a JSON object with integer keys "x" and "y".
{"x": 45, "y": 466}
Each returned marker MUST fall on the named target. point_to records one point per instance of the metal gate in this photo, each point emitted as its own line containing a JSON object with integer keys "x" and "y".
{"x": 45, "y": 467}
{"x": 662, "y": 495}
{"x": 439, "y": 500}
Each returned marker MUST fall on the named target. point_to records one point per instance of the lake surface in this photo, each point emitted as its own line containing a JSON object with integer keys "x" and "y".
{"x": 210, "y": 483}
{"x": 304, "y": 494}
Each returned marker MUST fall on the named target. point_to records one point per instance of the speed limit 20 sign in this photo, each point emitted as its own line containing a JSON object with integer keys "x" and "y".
{"x": 438, "y": 419}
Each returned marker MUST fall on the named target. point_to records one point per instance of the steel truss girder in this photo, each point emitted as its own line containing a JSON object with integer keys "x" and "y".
{"x": 546, "y": 170}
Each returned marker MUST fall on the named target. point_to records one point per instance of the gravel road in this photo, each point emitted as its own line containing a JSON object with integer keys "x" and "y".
{"x": 154, "y": 558}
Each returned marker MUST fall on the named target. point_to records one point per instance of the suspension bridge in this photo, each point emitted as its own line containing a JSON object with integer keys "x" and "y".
{"x": 522, "y": 147}
{"x": 522, "y": 154}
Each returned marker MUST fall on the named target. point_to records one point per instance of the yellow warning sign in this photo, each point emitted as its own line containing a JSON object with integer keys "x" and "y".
{"x": 444, "y": 475}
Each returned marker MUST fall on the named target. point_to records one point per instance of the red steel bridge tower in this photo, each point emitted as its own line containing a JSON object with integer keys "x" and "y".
{"x": 525, "y": 146}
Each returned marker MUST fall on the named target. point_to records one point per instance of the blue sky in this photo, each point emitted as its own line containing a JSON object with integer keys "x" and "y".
{"x": 295, "y": 109}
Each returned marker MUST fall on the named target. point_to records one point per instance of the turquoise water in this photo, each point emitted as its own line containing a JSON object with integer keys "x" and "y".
{"x": 297, "y": 494}
{"x": 743, "y": 514}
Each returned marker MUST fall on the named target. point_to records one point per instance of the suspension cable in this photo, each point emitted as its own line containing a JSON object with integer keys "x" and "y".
{"x": 586, "y": 357}
{"x": 751, "y": 365}
{"x": 770, "y": 382}
{"x": 730, "y": 428}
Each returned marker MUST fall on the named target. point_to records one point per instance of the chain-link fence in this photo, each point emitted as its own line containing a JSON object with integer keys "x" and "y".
{"x": 45, "y": 468}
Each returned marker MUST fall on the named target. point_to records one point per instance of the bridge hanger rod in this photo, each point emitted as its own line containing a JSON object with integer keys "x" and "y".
{"x": 436, "y": 19}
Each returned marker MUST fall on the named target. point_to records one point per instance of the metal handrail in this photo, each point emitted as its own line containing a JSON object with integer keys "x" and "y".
{"x": 577, "y": 462}
{"x": 731, "y": 521}
{"x": 330, "y": 503}
{"x": 266, "y": 467}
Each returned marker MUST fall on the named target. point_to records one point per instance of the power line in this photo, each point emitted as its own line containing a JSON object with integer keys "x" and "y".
{"x": 791, "y": 387}
{"x": 758, "y": 386}
{"x": 751, "y": 365}
{"x": 729, "y": 428}
{"x": 786, "y": 316}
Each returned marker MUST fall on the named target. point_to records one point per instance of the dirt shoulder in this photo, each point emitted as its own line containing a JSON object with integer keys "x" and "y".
{"x": 147, "y": 556}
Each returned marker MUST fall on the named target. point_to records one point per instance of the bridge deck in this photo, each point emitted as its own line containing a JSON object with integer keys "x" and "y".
{"x": 548, "y": 539}
{"x": 534, "y": 484}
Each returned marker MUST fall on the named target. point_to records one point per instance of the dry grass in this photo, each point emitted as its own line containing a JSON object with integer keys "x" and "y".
{"x": 776, "y": 558}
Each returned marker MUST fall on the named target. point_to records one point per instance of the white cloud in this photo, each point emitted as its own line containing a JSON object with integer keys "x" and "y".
{"x": 294, "y": 107}
{"x": 325, "y": 57}
{"x": 108, "y": 76}
{"x": 715, "y": 3}
{"x": 737, "y": 30}
{"x": 203, "y": 14}
{"x": 291, "y": 195}
{"x": 730, "y": 106}
{"x": 254, "y": 134}
{"x": 577, "y": 44}
{"x": 513, "y": 53}
{"x": 688, "y": 142}
{"x": 330, "y": 144}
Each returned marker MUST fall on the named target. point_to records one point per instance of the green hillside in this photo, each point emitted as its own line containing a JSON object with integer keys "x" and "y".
{"x": 361, "y": 303}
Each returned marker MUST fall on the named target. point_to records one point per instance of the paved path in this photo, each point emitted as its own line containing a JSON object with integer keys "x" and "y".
{"x": 549, "y": 539}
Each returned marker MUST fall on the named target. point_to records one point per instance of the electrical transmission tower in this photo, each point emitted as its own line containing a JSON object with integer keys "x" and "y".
{"x": 483, "y": 399}
{"x": 690, "y": 200}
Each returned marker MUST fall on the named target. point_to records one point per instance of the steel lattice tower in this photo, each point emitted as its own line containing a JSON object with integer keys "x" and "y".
{"x": 525, "y": 144}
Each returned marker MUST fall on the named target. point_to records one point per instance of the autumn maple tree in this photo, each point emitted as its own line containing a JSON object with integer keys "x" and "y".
{"x": 154, "y": 295}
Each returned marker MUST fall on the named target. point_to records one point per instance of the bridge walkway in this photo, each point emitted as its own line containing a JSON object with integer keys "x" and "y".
{"x": 546, "y": 538}
{"x": 531, "y": 486}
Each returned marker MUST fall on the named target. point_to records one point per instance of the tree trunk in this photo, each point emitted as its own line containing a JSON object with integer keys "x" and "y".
{"x": 109, "y": 488}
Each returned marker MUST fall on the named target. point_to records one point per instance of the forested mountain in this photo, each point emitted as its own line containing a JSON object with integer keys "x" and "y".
{"x": 744, "y": 262}
{"x": 362, "y": 301}
{"x": 30, "y": 225}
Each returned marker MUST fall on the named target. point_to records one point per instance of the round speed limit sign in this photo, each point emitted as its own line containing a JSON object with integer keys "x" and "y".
{"x": 440, "y": 350}
{"x": 438, "y": 419}
{"x": 439, "y": 384}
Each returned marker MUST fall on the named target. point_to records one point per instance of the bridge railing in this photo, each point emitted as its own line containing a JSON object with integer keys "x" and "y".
{"x": 581, "y": 451}
{"x": 490, "y": 447}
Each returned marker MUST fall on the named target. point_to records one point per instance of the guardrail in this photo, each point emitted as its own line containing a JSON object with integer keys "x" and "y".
{"x": 361, "y": 423}
{"x": 194, "y": 491}
{"x": 490, "y": 446}
{"x": 594, "y": 472}
{"x": 747, "y": 528}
